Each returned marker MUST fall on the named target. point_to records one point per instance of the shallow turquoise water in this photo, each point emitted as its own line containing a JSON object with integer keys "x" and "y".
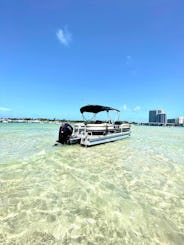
{"x": 126, "y": 192}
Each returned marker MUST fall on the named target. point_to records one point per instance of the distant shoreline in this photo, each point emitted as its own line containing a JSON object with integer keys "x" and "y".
{"x": 33, "y": 120}
{"x": 59, "y": 121}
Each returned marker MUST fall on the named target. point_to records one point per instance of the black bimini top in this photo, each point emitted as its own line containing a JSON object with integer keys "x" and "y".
{"x": 96, "y": 108}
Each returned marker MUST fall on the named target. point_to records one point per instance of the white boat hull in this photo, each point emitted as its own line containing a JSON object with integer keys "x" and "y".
{"x": 90, "y": 141}
{"x": 95, "y": 134}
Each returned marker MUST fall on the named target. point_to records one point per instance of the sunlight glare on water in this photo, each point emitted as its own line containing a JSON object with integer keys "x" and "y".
{"x": 126, "y": 192}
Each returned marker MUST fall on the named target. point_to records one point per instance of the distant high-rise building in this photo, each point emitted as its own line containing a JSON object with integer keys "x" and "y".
{"x": 180, "y": 120}
{"x": 153, "y": 115}
{"x": 157, "y": 117}
{"x": 171, "y": 120}
{"x": 162, "y": 118}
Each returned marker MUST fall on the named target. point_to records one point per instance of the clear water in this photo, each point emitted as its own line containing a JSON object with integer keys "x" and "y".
{"x": 126, "y": 192}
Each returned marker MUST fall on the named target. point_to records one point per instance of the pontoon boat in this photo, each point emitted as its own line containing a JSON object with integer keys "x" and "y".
{"x": 97, "y": 132}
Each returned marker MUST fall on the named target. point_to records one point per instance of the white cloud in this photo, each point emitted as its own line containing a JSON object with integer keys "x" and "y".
{"x": 64, "y": 36}
{"x": 129, "y": 57}
{"x": 5, "y": 109}
{"x": 137, "y": 108}
{"x": 125, "y": 108}
{"x": 128, "y": 60}
{"x": 128, "y": 109}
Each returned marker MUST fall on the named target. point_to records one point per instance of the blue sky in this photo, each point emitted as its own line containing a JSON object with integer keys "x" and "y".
{"x": 59, "y": 55}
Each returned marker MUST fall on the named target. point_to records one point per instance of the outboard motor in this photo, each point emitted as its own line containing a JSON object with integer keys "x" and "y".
{"x": 65, "y": 132}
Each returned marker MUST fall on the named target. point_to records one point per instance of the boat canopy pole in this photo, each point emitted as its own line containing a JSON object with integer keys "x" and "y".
{"x": 94, "y": 115}
{"x": 118, "y": 115}
{"x": 108, "y": 118}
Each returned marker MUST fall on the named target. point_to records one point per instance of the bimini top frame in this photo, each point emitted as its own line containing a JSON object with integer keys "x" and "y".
{"x": 96, "y": 109}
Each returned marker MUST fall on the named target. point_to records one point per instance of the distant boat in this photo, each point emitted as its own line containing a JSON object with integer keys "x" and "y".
{"x": 97, "y": 132}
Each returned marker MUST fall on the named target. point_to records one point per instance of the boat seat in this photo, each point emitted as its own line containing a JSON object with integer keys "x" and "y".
{"x": 117, "y": 122}
{"x": 98, "y": 122}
